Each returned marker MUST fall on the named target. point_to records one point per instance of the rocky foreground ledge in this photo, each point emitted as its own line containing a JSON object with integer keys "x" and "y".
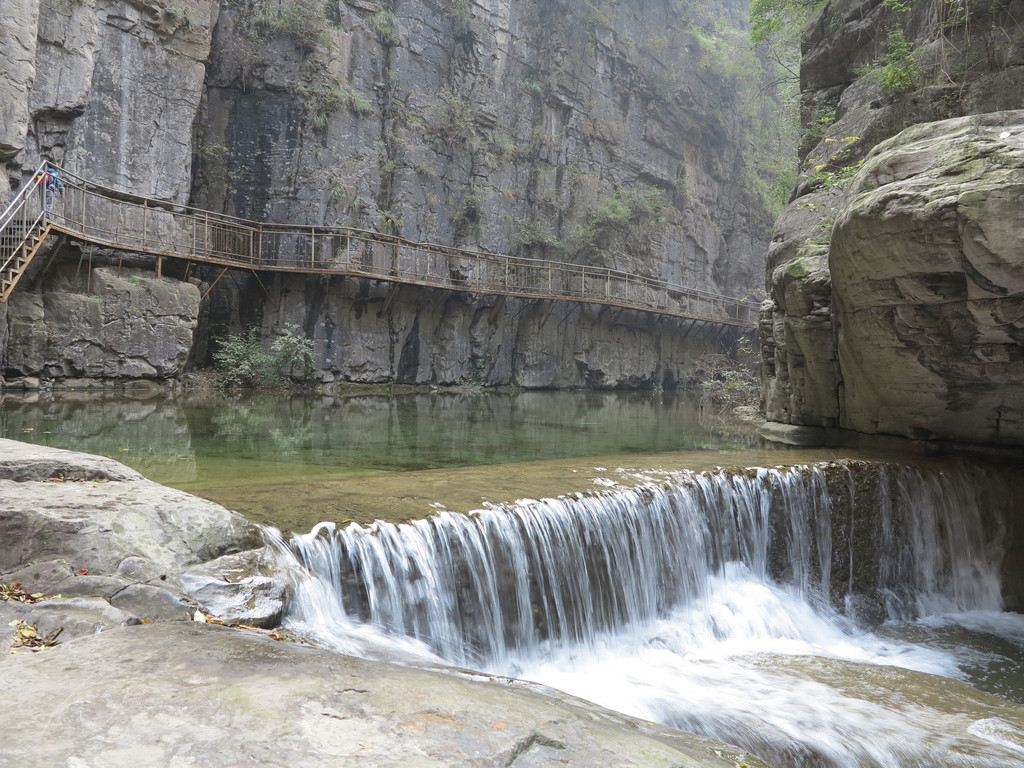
{"x": 126, "y": 566}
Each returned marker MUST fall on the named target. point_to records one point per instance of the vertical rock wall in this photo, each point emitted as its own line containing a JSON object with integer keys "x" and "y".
{"x": 548, "y": 129}
{"x": 106, "y": 88}
{"x": 892, "y": 230}
{"x": 591, "y": 131}
{"x": 371, "y": 332}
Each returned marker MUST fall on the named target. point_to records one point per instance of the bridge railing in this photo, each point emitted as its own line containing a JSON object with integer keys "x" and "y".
{"x": 109, "y": 217}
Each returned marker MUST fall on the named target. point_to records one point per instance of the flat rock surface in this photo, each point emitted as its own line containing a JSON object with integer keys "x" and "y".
{"x": 188, "y": 694}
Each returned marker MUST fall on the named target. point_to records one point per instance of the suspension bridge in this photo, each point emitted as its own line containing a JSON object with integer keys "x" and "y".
{"x": 99, "y": 216}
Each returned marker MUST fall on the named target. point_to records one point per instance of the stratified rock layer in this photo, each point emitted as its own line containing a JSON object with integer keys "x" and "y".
{"x": 927, "y": 264}
{"x": 126, "y": 326}
{"x": 368, "y": 332}
{"x": 894, "y": 295}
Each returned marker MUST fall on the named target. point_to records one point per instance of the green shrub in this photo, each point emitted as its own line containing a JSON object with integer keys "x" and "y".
{"x": 385, "y": 24}
{"x": 243, "y": 360}
{"x": 729, "y": 381}
{"x": 634, "y": 214}
{"x": 304, "y": 21}
{"x": 900, "y": 73}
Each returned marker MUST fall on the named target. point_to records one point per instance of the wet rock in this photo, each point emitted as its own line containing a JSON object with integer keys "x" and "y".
{"x": 70, "y": 617}
{"x": 177, "y": 693}
{"x": 150, "y": 603}
{"x": 793, "y": 435}
{"x": 236, "y": 588}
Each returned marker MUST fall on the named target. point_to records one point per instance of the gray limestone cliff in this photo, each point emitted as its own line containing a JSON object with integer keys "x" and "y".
{"x": 894, "y": 276}
{"x": 623, "y": 134}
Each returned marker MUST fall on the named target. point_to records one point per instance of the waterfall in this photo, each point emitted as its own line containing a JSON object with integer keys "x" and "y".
{"x": 509, "y": 581}
{"x": 505, "y": 581}
{"x": 679, "y": 572}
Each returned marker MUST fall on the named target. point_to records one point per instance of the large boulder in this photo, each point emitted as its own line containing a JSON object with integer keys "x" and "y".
{"x": 95, "y": 513}
{"x": 927, "y": 268}
{"x": 186, "y": 694}
{"x": 115, "y": 547}
{"x": 798, "y": 348}
{"x": 856, "y": 93}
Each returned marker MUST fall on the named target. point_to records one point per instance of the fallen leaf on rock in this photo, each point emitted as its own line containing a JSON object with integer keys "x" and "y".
{"x": 27, "y": 636}
{"x": 16, "y": 592}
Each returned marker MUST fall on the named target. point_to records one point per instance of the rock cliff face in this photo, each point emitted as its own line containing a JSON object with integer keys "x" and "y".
{"x": 894, "y": 276}
{"x": 368, "y": 332}
{"x": 613, "y": 133}
{"x": 124, "y": 326}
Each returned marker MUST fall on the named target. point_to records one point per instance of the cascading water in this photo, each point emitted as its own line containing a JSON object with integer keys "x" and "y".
{"x": 702, "y": 601}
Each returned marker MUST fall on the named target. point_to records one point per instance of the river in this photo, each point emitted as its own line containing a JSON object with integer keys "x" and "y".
{"x": 740, "y": 605}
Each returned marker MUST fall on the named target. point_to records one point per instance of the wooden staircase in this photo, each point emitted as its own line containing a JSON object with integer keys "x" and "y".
{"x": 16, "y": 265}
{"x": 24, "y": 225}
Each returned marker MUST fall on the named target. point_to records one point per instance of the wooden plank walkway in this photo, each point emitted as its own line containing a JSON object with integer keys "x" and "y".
{"x": 105, "y": 217}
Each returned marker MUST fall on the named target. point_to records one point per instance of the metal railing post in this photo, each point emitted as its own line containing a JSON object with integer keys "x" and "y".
{"x": 85, "y": 201}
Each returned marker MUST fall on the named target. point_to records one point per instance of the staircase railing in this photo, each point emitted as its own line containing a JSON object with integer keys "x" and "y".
{"x": 23, "y": 217}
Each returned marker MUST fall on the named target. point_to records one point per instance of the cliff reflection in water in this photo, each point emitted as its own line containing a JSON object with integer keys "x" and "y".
{"x": 196, "y": 441}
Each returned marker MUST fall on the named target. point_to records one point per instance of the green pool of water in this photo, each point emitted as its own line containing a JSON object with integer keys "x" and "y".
{"x": 201, "y": 441}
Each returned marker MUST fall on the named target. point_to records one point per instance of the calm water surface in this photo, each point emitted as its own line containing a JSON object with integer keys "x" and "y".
{"x": 270, "y": 452}
{"x": 198, "y": 441}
